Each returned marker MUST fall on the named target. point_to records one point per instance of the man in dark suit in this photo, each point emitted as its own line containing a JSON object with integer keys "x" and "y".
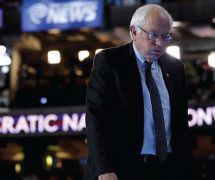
{"x": 125, "y": 142}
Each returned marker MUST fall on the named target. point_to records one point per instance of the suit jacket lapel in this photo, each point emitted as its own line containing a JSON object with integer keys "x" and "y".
{"x": 167, "y": 77}
{"x": 136, "y": 92}
{"x": 135, "y": 80}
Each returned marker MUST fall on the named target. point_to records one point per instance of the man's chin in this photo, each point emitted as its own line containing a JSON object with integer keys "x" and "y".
{"x": 154, "y": 56}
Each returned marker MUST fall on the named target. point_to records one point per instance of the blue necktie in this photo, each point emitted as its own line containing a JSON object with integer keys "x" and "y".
{"x": 157, "y": 111}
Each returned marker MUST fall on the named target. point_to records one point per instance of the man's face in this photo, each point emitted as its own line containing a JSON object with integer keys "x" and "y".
{"x": 151, "y": 49}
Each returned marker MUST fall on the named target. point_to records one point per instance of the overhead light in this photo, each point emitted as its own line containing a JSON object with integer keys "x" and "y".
{"x": 78, "y": 71}
{"x": 98, "y": 50}
{"x": 54, "y": 57}
{"x": 18, "y": 168}
{"x": 2, "y": 49}
{"x": 4, "y": 60}
{"x": 43, "y": 100}
{"x": 5, "y": 69}
{"x": 179, "y": 24}
{"x": 4, "y": 57}
{"x": 174, "y": 51}
{"x": 83, "y": 55}
{"x": 49, "y": 161}
{"x": 59, "y": 164}
{"x": 211, "y": 59}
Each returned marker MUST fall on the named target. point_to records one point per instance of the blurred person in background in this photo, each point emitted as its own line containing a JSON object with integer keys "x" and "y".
{"x": 137, "y": 124}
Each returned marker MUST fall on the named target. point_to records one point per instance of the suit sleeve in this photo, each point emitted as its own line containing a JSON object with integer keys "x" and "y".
{"x": 98, "y": 121}
{"x": 187, "y": 135}
{"x": 181, "y": 126}
{"x": 187, "y": 146}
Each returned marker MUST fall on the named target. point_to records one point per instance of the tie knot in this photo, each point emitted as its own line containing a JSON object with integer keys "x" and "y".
{"x": 148, "y": 64}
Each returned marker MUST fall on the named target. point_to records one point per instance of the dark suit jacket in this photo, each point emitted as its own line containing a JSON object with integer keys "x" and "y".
{"x": 115, "y": 115}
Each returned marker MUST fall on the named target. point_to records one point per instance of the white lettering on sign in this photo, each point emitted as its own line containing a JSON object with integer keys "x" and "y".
{"x": 73, "y": 123}
{"x": 37, "y": 12}
{"x": 47, "y": 122}
{"x": 63, "y": 13}
{"x": 50, "y": 123}
{"x": 7, "y": 125}
{"x": 33, "y": 125}
{"x": 22, "y": 125}
{"x": 200, "y": 117}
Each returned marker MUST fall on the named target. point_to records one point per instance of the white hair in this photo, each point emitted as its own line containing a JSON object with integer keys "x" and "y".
{"x": 141, "y": 14}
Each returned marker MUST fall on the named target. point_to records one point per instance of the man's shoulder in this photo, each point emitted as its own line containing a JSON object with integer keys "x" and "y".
{"x": 116, "y": 50}
{"x": 171, "y": 63}
{"x": 113, "y": 55}
{"x": 171, "y": 60}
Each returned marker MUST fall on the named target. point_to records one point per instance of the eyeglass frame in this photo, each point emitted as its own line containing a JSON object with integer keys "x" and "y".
{"x": 158, "y": 35}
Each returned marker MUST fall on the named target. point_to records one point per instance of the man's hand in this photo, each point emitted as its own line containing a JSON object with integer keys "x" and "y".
{"x": 108, "y": 176}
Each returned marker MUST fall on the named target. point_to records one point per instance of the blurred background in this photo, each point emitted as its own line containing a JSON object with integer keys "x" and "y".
{"x": 46, "y": 53}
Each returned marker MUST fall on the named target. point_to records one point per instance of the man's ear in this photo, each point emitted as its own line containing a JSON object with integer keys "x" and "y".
{"x": 133, "y": 33}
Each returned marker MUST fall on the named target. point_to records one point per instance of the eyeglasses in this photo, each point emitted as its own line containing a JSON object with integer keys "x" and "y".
{"x": 154, "y": 35}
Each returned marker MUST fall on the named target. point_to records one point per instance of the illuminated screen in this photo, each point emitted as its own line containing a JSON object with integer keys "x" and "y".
{"x": 41, "y": 15}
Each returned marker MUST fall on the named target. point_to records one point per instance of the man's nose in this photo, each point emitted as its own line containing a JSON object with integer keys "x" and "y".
{"x": 159, "y": 41}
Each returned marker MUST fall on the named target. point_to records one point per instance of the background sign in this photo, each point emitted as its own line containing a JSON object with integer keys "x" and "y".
{"x": 41, "y": 15}
{"x": 55, "y": 121}
{"x": 37, "y": 124}
{"x": 201, "y": 117}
